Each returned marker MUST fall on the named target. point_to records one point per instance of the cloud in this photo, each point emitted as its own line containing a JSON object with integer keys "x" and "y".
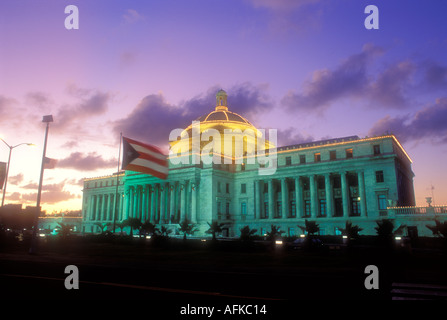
{"x": 428, "y": 123}
{"x": 289, "y": 136}
{"x": 15, "y": 180}
{"x": 435, "y": 75}
{"x": 90, "y": 103}
{"x": 83, "y": 162}
{"x": 281, "y": 4}
{"x": 39, "y": 100}
{"x": 70, "y": 144}
{"x": 153, "y": 118}
{"x": 392, "y": 85}
{"x": 350, "y": 78}
{"x": 132, "y": 16}
{"x": 296, "y": 16}
{"x": 51, "y": 193}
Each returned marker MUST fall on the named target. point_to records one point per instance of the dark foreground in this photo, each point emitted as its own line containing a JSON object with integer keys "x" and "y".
{"x": 195, "y": 273}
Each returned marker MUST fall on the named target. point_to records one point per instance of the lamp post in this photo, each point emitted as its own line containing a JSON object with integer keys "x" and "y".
{"x": 32, "y": 250}
{"x": 7, "y": 166}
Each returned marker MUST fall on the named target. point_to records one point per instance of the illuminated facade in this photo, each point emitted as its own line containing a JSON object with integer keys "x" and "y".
{"x": 330, "y": 182}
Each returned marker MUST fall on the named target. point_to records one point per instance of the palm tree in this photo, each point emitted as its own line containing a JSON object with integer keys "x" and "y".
{"x": 148, "y": 228}
{"x": 352, "y": 232}
{"x": 247, "y": 233}
{"x": 439, "y": 229}
{"x": 133, "y": 223}
{"x": 215, "y": 227}
{"x": 120, "y": 225}
{"x": 385, "y": 231}
{"x": 274, "y": 233}
{"x": 64, "y": 230}
{"x": 165, "y": 231}
{"x": 311, "y": 227}
{"x": 187, "y": 228}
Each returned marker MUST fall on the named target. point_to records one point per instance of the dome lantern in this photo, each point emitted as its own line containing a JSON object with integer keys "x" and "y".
{"x": 221, "y": 101}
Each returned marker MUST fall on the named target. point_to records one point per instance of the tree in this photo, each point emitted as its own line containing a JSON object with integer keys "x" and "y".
{"x": 311, "y": 227}
{"x": 352, "y": 232}
{"x": 274, "y": 233}
{"x": 385, "y": 231}
{"x": 187, "y": 228}
{"x": 64, "y": 230}
{"x": 120, "y": 225}
{"x": 103, "y": 226}
{"x": 165, "y": 231}
{"x": 148, "y": 228}
{"x": 133, "y": 223}
{"x": 247, "y": 233}
{"x": 439, "y": 229}
{"x": 215, "y": 227}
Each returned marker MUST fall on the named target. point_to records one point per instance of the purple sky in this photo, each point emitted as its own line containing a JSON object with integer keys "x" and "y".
{"x": 308, "y": 68}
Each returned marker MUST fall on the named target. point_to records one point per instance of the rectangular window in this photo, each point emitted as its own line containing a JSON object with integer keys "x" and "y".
{"x": 219, "y": 207}
{"x": 243, "y": 208}
{"x": 227, "y": 209}
{"x": 381, "y": 198}
{"x": 293, "y": 208}
{"x": 288, "y": 161}
{"x": 243, "y": 188}
{"x": 349, "y": 153}
{"x": 307, "y": 208}
{"x": 302, "y": 159}
{"x": 376, "y": 149}
{"x": 322, "y": 207}
{"x": 278, "y": 209}
{"x": 317, "y": 157}
{"x": 266, "y": 209}
{"x": 227, "y": 188}
{"x": 333, "y": 155}
{"x": 379, "y": 176}
{"x": 355, "y": 206}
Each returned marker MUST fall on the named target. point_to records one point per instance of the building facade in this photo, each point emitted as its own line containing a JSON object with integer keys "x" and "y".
{"x": 332, "y": 181}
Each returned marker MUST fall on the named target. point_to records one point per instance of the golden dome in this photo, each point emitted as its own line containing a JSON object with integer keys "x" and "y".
{"x": 237, "y": 135}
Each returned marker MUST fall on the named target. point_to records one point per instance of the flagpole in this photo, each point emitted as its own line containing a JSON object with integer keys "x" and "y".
{"x": 117, "y": 183}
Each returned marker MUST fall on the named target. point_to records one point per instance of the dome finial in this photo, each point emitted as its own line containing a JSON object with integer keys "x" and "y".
{"x": 221, "y": 100}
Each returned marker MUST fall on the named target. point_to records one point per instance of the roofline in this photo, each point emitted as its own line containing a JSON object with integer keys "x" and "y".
{"x": 281, "y": 150}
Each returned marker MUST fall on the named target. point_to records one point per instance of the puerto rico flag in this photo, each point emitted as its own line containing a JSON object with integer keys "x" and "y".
{"x": 144, "y": 158}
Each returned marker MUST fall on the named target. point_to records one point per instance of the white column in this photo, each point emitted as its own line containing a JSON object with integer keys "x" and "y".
{"x": 329, "y": 195}
{"x": 91, "y": 207}
{"x": 257, "y": 191}
{"x": 102, "y": 213}
{"x": 298, "y": 197}
{"x": 345, "y": 194}
{"x": 172, "y": 201}
{"x": 182, "y": 201}
{"x": 313, "y": 197}
{"x": 152, "y": 189}
{"x": 128, "y": 198}
{"x": 284, "y": 198}
{"x": 362, "y": 194}
{"x": 162, "y": 203}
{"x": 194, "y": 191}
{"x": 271, "y": 199}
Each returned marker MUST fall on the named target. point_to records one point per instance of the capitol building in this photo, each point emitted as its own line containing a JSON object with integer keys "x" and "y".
{"x": 260, "y": 184}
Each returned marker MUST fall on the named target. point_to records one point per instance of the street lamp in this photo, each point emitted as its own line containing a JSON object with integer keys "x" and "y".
{"x": 46, "y": 119}
{"x": 9, "y": 161}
